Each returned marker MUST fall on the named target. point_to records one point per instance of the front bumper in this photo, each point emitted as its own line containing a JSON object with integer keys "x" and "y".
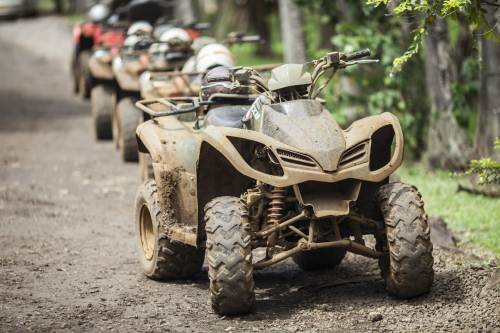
{"x": 357, "y": 133}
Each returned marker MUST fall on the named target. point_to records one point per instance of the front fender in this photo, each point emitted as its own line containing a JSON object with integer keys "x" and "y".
{"x": 100, "y": 70}
{"x": 359, "y": 132}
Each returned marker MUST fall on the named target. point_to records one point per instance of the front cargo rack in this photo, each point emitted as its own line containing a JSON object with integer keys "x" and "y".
{"x": 162, "y": 107}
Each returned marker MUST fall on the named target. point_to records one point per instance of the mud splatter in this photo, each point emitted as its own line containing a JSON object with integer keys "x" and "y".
{"x": 167, "y": 182}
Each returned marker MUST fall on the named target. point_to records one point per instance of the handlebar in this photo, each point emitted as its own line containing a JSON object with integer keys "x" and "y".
{"x": 357, "y": 54}
{"x": 251, "y": 39}
{"x": 200, "y": 26}
{"x": 237, "y": 38}
{"x": 334, "y": 61}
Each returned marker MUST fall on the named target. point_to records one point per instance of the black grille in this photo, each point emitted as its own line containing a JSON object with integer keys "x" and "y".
{"x": 296, "y": 158}
{"x": 353, "y": 154}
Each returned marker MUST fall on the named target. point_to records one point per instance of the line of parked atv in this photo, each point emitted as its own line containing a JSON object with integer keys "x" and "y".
{"x": 236, "y": 158}
{"x": 118, "y": 61}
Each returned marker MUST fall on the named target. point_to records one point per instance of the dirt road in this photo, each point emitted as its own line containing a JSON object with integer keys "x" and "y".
{"x": 67, "y": 248}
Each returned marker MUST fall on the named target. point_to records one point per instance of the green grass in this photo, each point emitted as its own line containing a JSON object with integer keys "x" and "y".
{"x": 245, "y": 55}
{"x": 476, "y": 218}
{"x": 46, "y": 6}
{"x": 75, "y": 18}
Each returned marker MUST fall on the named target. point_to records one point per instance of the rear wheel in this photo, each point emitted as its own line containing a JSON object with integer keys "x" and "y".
{"x": 319, "y": 259}
{"x": 407, "y": 268}
{"x": 229, "y": 255}
{"x": 102, "y": 103}
{"x": 128, "y": 118}
{"x": 161, "y": 258}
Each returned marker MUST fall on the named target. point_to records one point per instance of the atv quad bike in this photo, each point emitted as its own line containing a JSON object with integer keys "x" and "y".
{"x": 275, "y": 171}
{"x": 100, "y": 80}
{"x": 85, "y": 37}
{"x": 127, "y": 68}
{"x": 163, "y": 79}
{"x": 170, "y": 81}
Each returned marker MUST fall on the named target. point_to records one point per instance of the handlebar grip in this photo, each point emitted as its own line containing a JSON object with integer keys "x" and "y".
{"x": 202, "y": 26}
{"x": 358, "y": 54}
{"x": 251, "y": 39}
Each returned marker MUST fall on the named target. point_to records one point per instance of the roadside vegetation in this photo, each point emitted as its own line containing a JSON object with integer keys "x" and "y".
{"x": 475, "y": 218}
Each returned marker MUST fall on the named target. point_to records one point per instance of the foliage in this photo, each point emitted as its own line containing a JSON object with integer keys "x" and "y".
{"x": 369, "y": 89}
{"x": 474, "y": 217}
{"x": 426, "y": 11}
{"x": 487, "y": 169}
{"x": 464, "y": 93}
{"x": 245, "y": 53}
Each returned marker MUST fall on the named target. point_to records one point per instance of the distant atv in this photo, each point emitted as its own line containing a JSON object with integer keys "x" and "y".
{"x": 101, "y": 81}
{"x": 164, "y": 80}
{"x": 127, "y": 68}
{"x": 235, "y": 171}
{"x": 86, "y": 35}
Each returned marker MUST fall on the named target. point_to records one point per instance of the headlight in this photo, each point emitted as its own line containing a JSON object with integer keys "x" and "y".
{"x": 258, "y": 156}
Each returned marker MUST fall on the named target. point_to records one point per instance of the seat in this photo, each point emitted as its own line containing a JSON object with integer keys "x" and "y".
{"x": 227, "y": 116}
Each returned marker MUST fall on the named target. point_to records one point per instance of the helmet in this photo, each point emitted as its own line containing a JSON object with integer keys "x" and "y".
{"x": 175, "y": 36}
{"x": 140, "y": 28}
{"x": 156, "y": 55}
{"x": 98, "y": 12}
{"x": 213, "y": 55}
{"x": 190, "y": 65}
{"x": 130, "y": 41}
{"x": 160, "y": 29}
{"x": 217, "y": 80}
{"x": 136, "y": 43}
{"x": 162, "y": 56}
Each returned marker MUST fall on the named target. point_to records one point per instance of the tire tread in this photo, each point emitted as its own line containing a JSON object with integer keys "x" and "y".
{"x": 407, "y": 269}
{"x": 229, "y": 255}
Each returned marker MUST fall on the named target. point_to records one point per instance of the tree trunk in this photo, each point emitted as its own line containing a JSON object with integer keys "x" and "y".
{"x": 232, "y": 17}
{"x": 260, "y": 11}
{"x": 488, "y": 125}
{"x": 291, "y": 29}
{"x": 185, "y": 11}
{"x": 446, "y": 142}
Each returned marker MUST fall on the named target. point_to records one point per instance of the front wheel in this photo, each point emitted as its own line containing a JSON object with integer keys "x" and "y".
{"x": 128, "y": 118}
{"x": 407, "y": 268}
{"x": 84, "y": 76}
{"x": 161, "y": 258}
{"x": 229, "y": 255}
{"x": 101, "y": 98}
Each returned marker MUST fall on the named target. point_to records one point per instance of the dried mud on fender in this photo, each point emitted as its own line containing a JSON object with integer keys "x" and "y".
{"x": 166, "y": 181}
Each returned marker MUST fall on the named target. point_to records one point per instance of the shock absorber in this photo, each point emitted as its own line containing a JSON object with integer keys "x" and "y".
{"x": 275, "y": 212}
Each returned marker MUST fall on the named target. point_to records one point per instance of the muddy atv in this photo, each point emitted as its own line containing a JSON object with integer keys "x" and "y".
{"x": 86, "y": 36}
{"x": 164, "y": 79}
{"x": 156, "y": 85}
{"x": 127, "y": 68}
{"x": 234, "y": 172}
{"x": 100, "y": 80}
